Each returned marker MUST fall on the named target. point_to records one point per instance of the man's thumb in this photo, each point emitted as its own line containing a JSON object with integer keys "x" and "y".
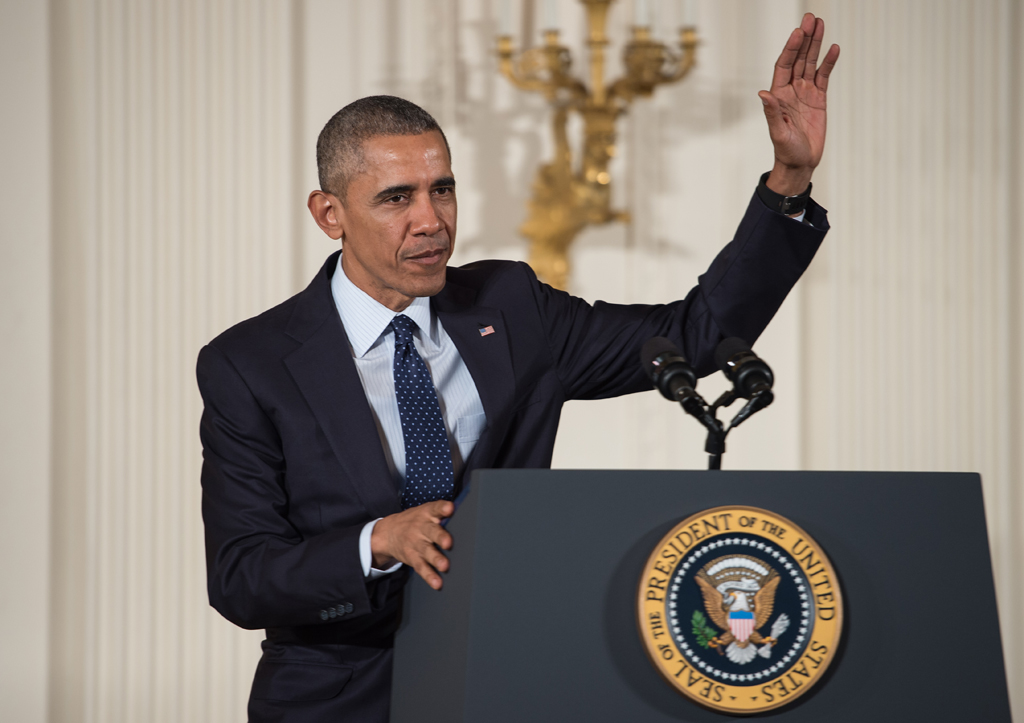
{"x": 771, "y": 105}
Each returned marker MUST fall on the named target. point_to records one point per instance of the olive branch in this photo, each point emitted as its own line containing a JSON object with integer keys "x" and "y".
{"x": 704, "y": 632}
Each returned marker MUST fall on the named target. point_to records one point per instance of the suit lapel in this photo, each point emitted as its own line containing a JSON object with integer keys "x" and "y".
{"x": 326, "y": 374}
{"x": 488, "y": 359}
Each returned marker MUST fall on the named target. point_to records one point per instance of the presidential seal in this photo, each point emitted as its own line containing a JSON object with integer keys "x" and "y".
{"x": 739, "y": 609}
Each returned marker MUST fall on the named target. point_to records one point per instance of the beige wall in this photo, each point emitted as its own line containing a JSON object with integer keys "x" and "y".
{"x": 917, "y": 299}
{"x": 25, "y": 390}
{"x": 181, "y": 134}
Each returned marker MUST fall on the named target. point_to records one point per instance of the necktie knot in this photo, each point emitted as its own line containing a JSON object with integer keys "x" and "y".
{"x": 403, "y": 326}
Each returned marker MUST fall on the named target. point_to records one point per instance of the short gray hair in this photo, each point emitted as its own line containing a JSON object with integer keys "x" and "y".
{"x": 339, "y": 149}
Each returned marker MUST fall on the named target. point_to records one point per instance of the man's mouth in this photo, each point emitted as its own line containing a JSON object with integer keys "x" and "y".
{"x": 427, "y": 258}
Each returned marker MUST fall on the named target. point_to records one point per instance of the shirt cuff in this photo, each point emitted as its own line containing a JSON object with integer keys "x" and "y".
{"x": 366, "y": 554}
{"x": 800, "y": 218}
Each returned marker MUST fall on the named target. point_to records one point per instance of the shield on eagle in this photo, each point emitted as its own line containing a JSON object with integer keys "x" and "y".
{"x": 741, "y": 624}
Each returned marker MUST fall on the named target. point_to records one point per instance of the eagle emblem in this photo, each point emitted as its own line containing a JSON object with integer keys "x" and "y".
{"x": 728, "y": 613}
{"x": 739, "y": 596}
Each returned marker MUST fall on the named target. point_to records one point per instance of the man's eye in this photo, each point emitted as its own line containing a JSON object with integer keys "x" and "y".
{"x": 395, "y": 199}
{"x": 444, "y": 190}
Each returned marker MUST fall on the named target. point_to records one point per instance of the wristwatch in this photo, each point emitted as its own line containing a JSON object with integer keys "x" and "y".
{"x": 789, "y": 205}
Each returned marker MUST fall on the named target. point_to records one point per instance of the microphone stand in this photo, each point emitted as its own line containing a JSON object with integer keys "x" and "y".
{"x": 715, "y": 444}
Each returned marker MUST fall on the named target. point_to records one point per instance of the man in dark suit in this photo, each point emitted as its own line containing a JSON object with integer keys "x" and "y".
{"x": 339, "y": 425}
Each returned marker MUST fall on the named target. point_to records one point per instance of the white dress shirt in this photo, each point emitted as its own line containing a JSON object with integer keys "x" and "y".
{"x": 373, "y": 350}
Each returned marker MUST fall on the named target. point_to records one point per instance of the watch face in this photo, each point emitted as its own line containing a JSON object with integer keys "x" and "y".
{"x": 793, "y": 204}
{"x": 788, "y": 205}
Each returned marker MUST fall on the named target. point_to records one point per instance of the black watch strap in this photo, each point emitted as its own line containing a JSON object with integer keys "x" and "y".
{"x": 788, "y": 205}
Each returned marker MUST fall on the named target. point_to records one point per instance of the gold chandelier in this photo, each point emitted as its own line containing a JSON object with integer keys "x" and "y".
{"x": 567, "y": 199}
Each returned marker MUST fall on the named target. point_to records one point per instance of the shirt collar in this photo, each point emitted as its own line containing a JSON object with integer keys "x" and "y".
{"x": 365, "y": 319}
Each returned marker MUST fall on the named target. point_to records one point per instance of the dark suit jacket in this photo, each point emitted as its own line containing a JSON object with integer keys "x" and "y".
{"x": 293, "y": 465}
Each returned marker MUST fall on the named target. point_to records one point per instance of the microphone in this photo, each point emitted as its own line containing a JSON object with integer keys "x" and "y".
{"x": 752, "y": 379}
{"x": 748, "y": 372}
{"x": 668, "y": 369}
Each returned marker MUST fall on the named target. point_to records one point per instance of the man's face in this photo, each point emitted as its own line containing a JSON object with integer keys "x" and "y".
{"x": 398, "y": 219}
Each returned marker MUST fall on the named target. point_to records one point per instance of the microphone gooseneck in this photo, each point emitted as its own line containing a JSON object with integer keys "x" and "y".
{"x": 752, "y": 379}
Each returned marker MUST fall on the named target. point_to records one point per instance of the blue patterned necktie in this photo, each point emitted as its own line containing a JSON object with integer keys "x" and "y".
{"x": 428, "y": 458}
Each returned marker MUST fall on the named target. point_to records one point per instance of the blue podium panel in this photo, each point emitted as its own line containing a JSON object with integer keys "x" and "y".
{"x": 537, "y": 620}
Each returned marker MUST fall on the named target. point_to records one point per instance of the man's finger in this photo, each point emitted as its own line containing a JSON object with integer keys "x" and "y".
{"x": 805, "y": 45}
{"x": 772, "y": 113}
{"x": 429, "y": 562}
{"x": 821, "y": 78}
{"x": 436, "y": 559}
{"x": 437, "y": 535}
{"x": 439, "y": 509}
{"x": 784, "y": 65}
{"x": 429, "y": 574}
{"x": 771, "y": 104}
{"x": 812, "y": 52}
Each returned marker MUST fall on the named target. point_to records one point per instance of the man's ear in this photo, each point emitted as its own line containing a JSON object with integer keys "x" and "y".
{"x": 328, "y": 213}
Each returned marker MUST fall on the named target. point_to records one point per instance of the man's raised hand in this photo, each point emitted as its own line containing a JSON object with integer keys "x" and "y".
{"x": 413, "y": 537}
{"x": 795, "y": 107}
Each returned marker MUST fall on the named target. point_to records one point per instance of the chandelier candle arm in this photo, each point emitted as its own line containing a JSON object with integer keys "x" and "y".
{"x": 597, "y": 19}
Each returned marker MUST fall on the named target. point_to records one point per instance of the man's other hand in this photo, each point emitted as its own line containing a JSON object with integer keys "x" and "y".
{"x": 795, "y": 107}
{"x": 413, "y": 537}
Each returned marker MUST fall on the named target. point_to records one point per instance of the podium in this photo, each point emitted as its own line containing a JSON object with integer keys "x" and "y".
{"x": 537, "y": 619}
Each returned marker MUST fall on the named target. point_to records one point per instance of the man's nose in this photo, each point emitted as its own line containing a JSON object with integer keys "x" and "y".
{"x": 425, "y": 221}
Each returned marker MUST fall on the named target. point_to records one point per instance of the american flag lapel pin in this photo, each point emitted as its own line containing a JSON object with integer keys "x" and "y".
{"x": 485, "y": 330}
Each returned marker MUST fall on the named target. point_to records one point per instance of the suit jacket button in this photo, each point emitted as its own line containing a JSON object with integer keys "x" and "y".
{"x": 323, "y": 615}
{"x": 348, "y": 607}
{"x": 332, "y": 612}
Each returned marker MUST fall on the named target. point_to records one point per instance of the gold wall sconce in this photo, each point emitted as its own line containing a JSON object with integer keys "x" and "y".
{"x": 565, "y": 198}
